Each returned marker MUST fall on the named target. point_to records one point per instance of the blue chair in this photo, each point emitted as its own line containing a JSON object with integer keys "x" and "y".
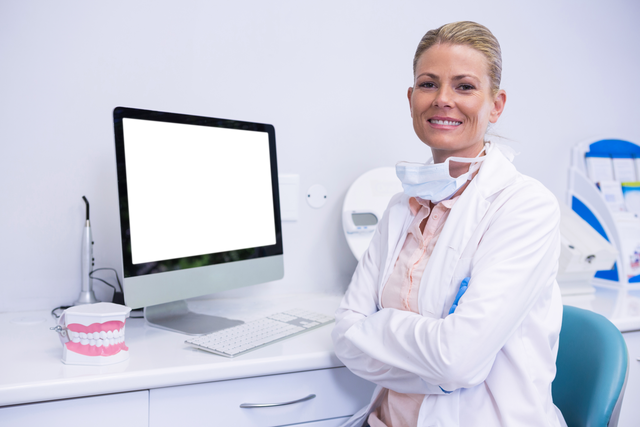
{"x": 592, "y": 369}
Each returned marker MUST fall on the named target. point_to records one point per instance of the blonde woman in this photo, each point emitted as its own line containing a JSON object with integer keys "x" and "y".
{"x": 454, "y": 311}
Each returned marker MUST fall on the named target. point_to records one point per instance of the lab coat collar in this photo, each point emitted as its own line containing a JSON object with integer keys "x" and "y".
{"x": 496, "y": 172}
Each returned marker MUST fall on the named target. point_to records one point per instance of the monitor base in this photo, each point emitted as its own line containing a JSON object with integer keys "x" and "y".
{"x": 176, "y": 317}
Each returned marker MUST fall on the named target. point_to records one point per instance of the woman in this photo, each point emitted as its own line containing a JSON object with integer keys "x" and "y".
{"x": 485, "y": 228}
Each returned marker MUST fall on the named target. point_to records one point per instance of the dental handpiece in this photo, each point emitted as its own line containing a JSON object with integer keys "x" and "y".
{"x": 86, "y": 291}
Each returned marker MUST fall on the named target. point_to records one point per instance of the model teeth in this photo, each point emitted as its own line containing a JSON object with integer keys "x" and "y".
{"x": 98, "y": 339}
{"x": 445, "y": 122}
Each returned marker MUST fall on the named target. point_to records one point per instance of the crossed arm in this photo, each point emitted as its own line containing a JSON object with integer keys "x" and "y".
{"x": 409, "y": 353}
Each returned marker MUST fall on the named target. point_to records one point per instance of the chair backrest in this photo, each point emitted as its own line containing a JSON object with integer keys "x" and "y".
{"x": 592, "y": 369}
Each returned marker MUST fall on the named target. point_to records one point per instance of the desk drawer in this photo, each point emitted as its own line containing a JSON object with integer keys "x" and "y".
{"x": 338, "y": 393}
{"x": 122, "y": 410}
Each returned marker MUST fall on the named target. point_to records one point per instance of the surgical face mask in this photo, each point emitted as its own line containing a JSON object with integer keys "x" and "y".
{"x": 433, "y": 182}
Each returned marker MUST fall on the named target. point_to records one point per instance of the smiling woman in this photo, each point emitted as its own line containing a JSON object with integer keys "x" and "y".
{"x": 456, "y": 92}
{"x": 453, "y": 101}
{"x": 454, "y": 310}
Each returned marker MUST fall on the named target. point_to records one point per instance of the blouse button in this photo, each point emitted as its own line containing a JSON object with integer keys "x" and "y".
{"x": 435, "y": 216}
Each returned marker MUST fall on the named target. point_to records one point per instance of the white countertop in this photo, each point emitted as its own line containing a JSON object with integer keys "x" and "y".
{"x": 31, "y": 369}
{"x": 620, "y": 305}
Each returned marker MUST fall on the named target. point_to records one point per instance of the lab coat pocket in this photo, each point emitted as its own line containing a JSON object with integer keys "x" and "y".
{"x": 437, "y": 286}
{"x": 461, "y": 271}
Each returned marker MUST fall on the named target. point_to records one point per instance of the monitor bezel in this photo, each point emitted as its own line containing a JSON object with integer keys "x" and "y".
{"x": 146, "y": 289}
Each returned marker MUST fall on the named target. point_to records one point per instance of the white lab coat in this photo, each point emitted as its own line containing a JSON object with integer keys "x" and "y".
{"x": 496, "y": 354}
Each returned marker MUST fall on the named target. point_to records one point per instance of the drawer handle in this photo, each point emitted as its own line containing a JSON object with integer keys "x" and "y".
{"x": 268, "y": 405}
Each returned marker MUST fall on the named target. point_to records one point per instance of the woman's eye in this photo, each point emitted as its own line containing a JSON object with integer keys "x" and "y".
{"x": 427, "y": 85}
{"x": 466, "y": 87}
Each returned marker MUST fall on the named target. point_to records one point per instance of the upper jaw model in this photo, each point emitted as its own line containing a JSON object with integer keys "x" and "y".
{"x": 93, "y": 334}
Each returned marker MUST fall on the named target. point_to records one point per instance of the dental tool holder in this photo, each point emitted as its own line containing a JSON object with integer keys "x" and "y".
{"x": 93, "y": 334}
{"x": 612, "y": 221}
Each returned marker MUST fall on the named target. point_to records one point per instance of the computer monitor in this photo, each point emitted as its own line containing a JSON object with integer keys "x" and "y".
{"x": 199, "y": 212}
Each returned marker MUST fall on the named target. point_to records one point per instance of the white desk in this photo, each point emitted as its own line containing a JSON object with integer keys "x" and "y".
{"x": 166, "y": 380}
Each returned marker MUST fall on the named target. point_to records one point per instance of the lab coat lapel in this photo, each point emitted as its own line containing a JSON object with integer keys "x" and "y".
{"x": 463, "y": 219}
{"x": 465, "y": 216}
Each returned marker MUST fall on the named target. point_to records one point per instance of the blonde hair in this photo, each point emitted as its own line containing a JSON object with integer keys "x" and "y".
{"x": 470, "y": 34}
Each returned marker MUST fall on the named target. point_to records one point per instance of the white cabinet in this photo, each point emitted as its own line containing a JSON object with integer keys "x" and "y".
{"x": 122, "y": 410}
{"x": 338, "y": 394}
{"x": 630, "y": 412}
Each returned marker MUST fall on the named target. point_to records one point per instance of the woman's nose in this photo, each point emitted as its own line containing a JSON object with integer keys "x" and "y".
{"x": 443, "y": 98}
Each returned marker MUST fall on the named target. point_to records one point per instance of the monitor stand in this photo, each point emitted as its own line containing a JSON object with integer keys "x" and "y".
{"x": 176, "y": 317}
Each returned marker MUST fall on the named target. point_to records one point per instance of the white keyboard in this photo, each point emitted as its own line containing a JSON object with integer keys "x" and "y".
{"x": 252, "y": 335}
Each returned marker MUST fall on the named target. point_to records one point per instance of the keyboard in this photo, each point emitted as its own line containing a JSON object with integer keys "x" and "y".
{"x": 241, "y": 339}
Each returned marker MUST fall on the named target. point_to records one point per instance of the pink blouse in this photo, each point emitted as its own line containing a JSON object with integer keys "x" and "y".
{"x": 401, "y": 292}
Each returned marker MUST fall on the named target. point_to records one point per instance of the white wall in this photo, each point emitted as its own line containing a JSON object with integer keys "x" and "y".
{"x": 330, "y": 75}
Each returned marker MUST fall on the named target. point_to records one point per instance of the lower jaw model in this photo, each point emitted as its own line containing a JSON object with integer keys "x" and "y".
{"x": 95, "y": 344}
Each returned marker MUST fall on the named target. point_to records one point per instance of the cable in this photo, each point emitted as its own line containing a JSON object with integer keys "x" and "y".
{"x": 118, "y": 296}
{"x": 114, "y": 272}
{"x": 105, "y": 282}
{"x": 62, "y": 307}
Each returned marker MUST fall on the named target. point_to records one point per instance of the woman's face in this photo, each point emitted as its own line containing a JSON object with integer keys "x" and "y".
{"x": 452, "y": 102}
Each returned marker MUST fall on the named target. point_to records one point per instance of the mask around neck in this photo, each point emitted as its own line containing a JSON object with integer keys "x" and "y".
{"x": 433, "y": 181}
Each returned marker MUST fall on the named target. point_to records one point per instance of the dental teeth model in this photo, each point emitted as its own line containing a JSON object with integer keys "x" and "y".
{"x": 93, "y": 334}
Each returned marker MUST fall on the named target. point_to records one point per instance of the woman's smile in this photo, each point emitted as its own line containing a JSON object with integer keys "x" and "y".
{"x": 439, "y": 122}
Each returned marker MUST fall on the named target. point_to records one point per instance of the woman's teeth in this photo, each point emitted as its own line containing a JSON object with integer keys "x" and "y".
{"x": 445, "y": 122}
